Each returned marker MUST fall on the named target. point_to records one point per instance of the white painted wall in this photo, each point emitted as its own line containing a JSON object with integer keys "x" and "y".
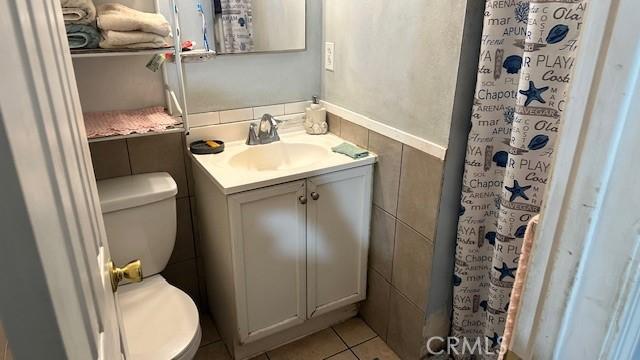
{"x": 396, "y": 61}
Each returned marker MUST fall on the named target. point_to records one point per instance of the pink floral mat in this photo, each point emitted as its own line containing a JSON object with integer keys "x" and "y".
{"x": 113, "y": 123}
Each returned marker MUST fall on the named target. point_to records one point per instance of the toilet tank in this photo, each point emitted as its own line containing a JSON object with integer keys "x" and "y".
{"x": 140, "y": 219}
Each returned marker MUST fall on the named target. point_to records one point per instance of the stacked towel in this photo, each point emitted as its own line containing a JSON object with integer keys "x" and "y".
{"x": 126, "y": 28}
{"x": 82, "y": 36}
{"x": 78, "y": 11}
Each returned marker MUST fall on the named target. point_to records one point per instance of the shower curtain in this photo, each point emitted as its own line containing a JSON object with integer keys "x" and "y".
{"x": 527, "y": 55}
{"x": 237, "y": 26}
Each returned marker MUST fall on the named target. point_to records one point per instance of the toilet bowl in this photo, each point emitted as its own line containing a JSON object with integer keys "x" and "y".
{"x": 159, "y": 321}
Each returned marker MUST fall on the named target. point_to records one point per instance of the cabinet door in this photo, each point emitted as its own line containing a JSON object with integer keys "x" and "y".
{"x": 338, "y": 217}
{"x": 269, "y": 252}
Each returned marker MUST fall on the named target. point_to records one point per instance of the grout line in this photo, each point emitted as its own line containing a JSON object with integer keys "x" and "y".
{"x": 339, "y": 352}
{"x": 126, "y": 145}
{"x": 362, "y": 342}
{"x": 340, "y": 337}
{"x": 354, "y": 354}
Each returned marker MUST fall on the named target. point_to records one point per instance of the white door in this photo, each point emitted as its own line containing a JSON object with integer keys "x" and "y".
{"x": 338, "y": 216}
{"x": 57, "y": 242}
{"x": 268, "y": 237}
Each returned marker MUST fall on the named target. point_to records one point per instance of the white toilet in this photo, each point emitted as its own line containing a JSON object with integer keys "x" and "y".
{"x": 160, "y": 321}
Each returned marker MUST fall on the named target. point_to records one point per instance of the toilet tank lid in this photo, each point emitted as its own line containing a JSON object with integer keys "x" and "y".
{"x": 130, "y": 191}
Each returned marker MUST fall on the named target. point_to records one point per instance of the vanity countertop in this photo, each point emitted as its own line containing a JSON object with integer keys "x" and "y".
{"x": 296, "y": 156}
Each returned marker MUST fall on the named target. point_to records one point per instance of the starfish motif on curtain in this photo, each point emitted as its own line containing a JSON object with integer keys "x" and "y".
{"x": 495, "y": 339}
{"x": 517, "y": 190}
{"x": 533, "y": 93}
{"x": 505, "y": 271}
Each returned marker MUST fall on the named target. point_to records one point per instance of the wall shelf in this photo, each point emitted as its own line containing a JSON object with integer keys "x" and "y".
{"x": 135, "y": 135}
{"x": 88, "y": 53}
{"x": 172, "y": 72}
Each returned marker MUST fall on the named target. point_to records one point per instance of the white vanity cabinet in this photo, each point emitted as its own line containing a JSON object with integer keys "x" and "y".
{"x": 268, "y": 229}
{"x": 338, "y": 218}
{"x": 284, "y": 260}
{"x": 299, "y": 249}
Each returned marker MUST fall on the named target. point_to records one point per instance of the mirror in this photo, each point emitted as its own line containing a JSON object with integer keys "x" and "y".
{"x": 247, "y": 26}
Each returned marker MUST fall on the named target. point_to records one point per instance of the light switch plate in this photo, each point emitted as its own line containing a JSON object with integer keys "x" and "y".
{"x": 329, "y": 53}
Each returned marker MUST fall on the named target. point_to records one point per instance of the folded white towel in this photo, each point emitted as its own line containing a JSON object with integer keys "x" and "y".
{"x": 121, "y": 18}
{"x": 132, "y": 40}
{"x": 78, "y": 11}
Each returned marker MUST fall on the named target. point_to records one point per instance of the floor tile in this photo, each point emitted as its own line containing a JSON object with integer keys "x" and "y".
{"x": 345, "y": 355}
{"x": 354, "y": 331}
{"x": 318, "y": 346}
{"x": 215, "y": 351}
{"x": 374, "y": 349}
{"x": 209, "y": 331}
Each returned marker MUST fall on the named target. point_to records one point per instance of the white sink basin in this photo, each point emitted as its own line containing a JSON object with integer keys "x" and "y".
{"x": 278, "y": 156}
{"x": 241, "y": 167}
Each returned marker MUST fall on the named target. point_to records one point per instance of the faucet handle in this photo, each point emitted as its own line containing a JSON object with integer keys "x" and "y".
{"x": 252, "y": 137}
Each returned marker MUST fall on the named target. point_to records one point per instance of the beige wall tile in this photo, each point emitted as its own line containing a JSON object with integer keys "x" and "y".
{"x": 215, "y": 351}
{"x": 405, "y": 326}
{"x": 110, "y": 159}
{"x": 184, "y": 276}
{"x": 375, "y": 309}
{"x": 209, "y": 331}
{"x": 412, "y": 258}
{"x": 345, "y": 355}
{"x": 317, "y": 346}
{"x": 374, "y": 349}
{"x": 354, "y": 331}
{"x": 383, "y": 228}
{"x": 334, "y": 122}
{"x": 160, "y": 153}
{"x": 184, "y": 246}
{"x": 386, "y": 177}
{"x": 420, "y": 188}
{"x": 354, "y": 133}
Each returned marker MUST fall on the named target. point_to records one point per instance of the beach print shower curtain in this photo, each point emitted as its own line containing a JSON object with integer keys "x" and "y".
{"x": 237, "y": 26}
{"x": 526, "y": 61}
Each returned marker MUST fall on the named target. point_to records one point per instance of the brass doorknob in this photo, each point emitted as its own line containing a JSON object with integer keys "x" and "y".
{"x": 132, "y": 272}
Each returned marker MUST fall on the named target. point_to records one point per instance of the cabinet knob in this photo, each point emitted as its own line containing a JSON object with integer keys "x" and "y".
{"x": 302, "y": 199}
{"x": 315, "y": 195}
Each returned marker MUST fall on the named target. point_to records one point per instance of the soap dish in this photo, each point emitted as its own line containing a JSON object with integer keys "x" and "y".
{"x": 201, "y": 147}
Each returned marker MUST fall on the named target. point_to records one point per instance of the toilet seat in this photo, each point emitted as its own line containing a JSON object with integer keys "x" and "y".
{"x": 160, "y": 321}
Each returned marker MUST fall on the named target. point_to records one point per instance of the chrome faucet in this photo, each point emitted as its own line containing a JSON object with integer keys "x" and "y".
{"x": 264, "y": 133}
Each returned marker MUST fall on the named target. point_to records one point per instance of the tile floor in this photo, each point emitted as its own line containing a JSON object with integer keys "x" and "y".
{"x": 350, "y": 340}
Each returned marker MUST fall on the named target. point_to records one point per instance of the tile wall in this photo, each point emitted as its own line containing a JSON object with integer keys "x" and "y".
{"x": 406, "y": 195}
